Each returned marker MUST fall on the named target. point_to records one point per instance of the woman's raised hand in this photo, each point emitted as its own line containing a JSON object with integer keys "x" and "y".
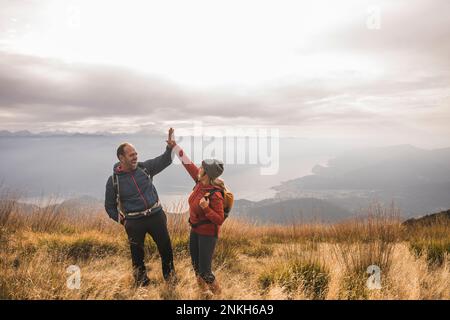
{"x": 170, "y": 140}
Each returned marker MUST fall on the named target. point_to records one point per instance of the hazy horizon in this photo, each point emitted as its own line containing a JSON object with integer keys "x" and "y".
{"x": 80, "y": 165}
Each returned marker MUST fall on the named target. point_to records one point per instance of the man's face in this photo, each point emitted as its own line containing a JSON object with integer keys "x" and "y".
{"x": 130, "y": 158}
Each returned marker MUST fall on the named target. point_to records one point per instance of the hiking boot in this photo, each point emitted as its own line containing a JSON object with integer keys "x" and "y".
{"x": 140, "y": 277}
{"x": 143, "y": 282}
{"x": 202, "y": 285}
{"x": 204, "y": 291}
{"x": 214, "y": 287}
{"x": 172, "y": 279}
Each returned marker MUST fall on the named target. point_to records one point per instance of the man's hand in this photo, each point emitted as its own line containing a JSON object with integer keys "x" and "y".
{"x": 204, "y": 203}
{"x": 170, "y": 140}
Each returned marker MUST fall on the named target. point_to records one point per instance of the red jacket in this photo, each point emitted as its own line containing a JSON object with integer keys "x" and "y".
{"x": 214, "y": 212}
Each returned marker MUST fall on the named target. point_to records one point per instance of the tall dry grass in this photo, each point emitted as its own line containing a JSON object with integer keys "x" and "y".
{"x": 300, "y": 261}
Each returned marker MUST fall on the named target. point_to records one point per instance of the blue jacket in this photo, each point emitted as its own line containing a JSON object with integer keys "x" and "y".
{"x": 137, "y": 192}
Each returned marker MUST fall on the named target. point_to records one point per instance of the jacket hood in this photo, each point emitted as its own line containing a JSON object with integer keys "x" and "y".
{"x": 117, "y": 168}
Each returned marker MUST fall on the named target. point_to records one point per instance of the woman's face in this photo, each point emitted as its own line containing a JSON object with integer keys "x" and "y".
{"x": 201, "y": 173}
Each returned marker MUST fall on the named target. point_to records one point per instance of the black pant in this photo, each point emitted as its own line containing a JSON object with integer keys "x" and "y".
{"x": 202, "y": 250}
{"x": 156, "y": 226}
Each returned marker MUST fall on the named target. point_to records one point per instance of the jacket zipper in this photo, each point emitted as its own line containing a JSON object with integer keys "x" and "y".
{"x": 139, "y": 190}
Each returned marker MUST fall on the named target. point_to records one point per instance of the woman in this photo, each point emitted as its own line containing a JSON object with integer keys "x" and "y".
{"x": 206, "y": 215}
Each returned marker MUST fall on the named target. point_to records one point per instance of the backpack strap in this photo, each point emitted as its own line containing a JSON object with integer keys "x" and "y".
{"x": 115, "y": 181}
{"x": 144, "y": 169}
{"x": 202, "y": 222}
{"x": 211, "y": 192}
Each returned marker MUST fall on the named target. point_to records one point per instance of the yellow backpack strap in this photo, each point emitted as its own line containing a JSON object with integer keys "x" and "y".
{"x": 229, "y": 201}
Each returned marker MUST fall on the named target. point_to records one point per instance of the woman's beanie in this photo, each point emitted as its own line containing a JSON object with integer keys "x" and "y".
{"x": 213, "y": 168}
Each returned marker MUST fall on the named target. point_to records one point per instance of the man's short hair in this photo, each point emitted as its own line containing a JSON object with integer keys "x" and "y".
{"x": 121, "y": 149}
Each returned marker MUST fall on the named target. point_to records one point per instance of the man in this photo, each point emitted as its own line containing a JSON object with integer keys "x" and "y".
{"x": 131, "y": 199}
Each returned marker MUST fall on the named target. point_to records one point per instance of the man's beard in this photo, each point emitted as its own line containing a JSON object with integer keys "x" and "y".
{"x": 133, "y": 166}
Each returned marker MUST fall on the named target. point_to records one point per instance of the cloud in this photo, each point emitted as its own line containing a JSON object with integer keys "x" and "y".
{"x": 49, "y": 90}
{"x": 37, "y": 92}
{"x": 345, "y": 78}
{"x": 412, "y": 35}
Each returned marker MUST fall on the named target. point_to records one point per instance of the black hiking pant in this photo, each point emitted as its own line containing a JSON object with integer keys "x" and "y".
{"x": 156, "y": 226}
{"x": 201, "y": 249}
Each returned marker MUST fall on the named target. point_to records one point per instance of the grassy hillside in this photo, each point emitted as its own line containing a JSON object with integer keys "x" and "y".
{"x": 300, "y": 261}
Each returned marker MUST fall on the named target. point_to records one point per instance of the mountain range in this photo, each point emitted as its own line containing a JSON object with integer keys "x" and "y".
{"x": 416, "y": 180}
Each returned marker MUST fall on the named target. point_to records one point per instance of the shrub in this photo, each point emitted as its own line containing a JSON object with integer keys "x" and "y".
{"x": 355, "y": 259}
{"x": 436, "y": 251}
{"x": 353, "y": 285}
{"x": 258, "y": 251}
{"x": 81, "y": 248}
{"x": 225, "y": 253}
{"x": 309, "y": 276}
{"x": 6, "y": 209}
{"x": 180, "y": 246}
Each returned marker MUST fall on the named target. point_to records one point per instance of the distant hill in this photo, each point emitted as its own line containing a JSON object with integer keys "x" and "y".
{"x": 14, "y": 205}
{"x": 265, "y": 211}
{"x": 417, "y": 180}
{"x": 80, "y": 204}
{"x": 391, "y": 167}
{"x": 429, "y": 220}
{"x": 290, "y": 211}
{"x": 71, "y": 206}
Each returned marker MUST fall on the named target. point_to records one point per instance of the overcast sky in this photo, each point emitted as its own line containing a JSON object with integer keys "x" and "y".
{"x": 377, "y": 70}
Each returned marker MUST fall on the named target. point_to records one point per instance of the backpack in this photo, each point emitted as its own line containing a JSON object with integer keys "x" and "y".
{"x": 228, "y": 200}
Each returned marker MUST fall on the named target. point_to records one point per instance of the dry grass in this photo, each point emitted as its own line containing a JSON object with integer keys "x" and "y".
{"x": 304, "y": 261}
